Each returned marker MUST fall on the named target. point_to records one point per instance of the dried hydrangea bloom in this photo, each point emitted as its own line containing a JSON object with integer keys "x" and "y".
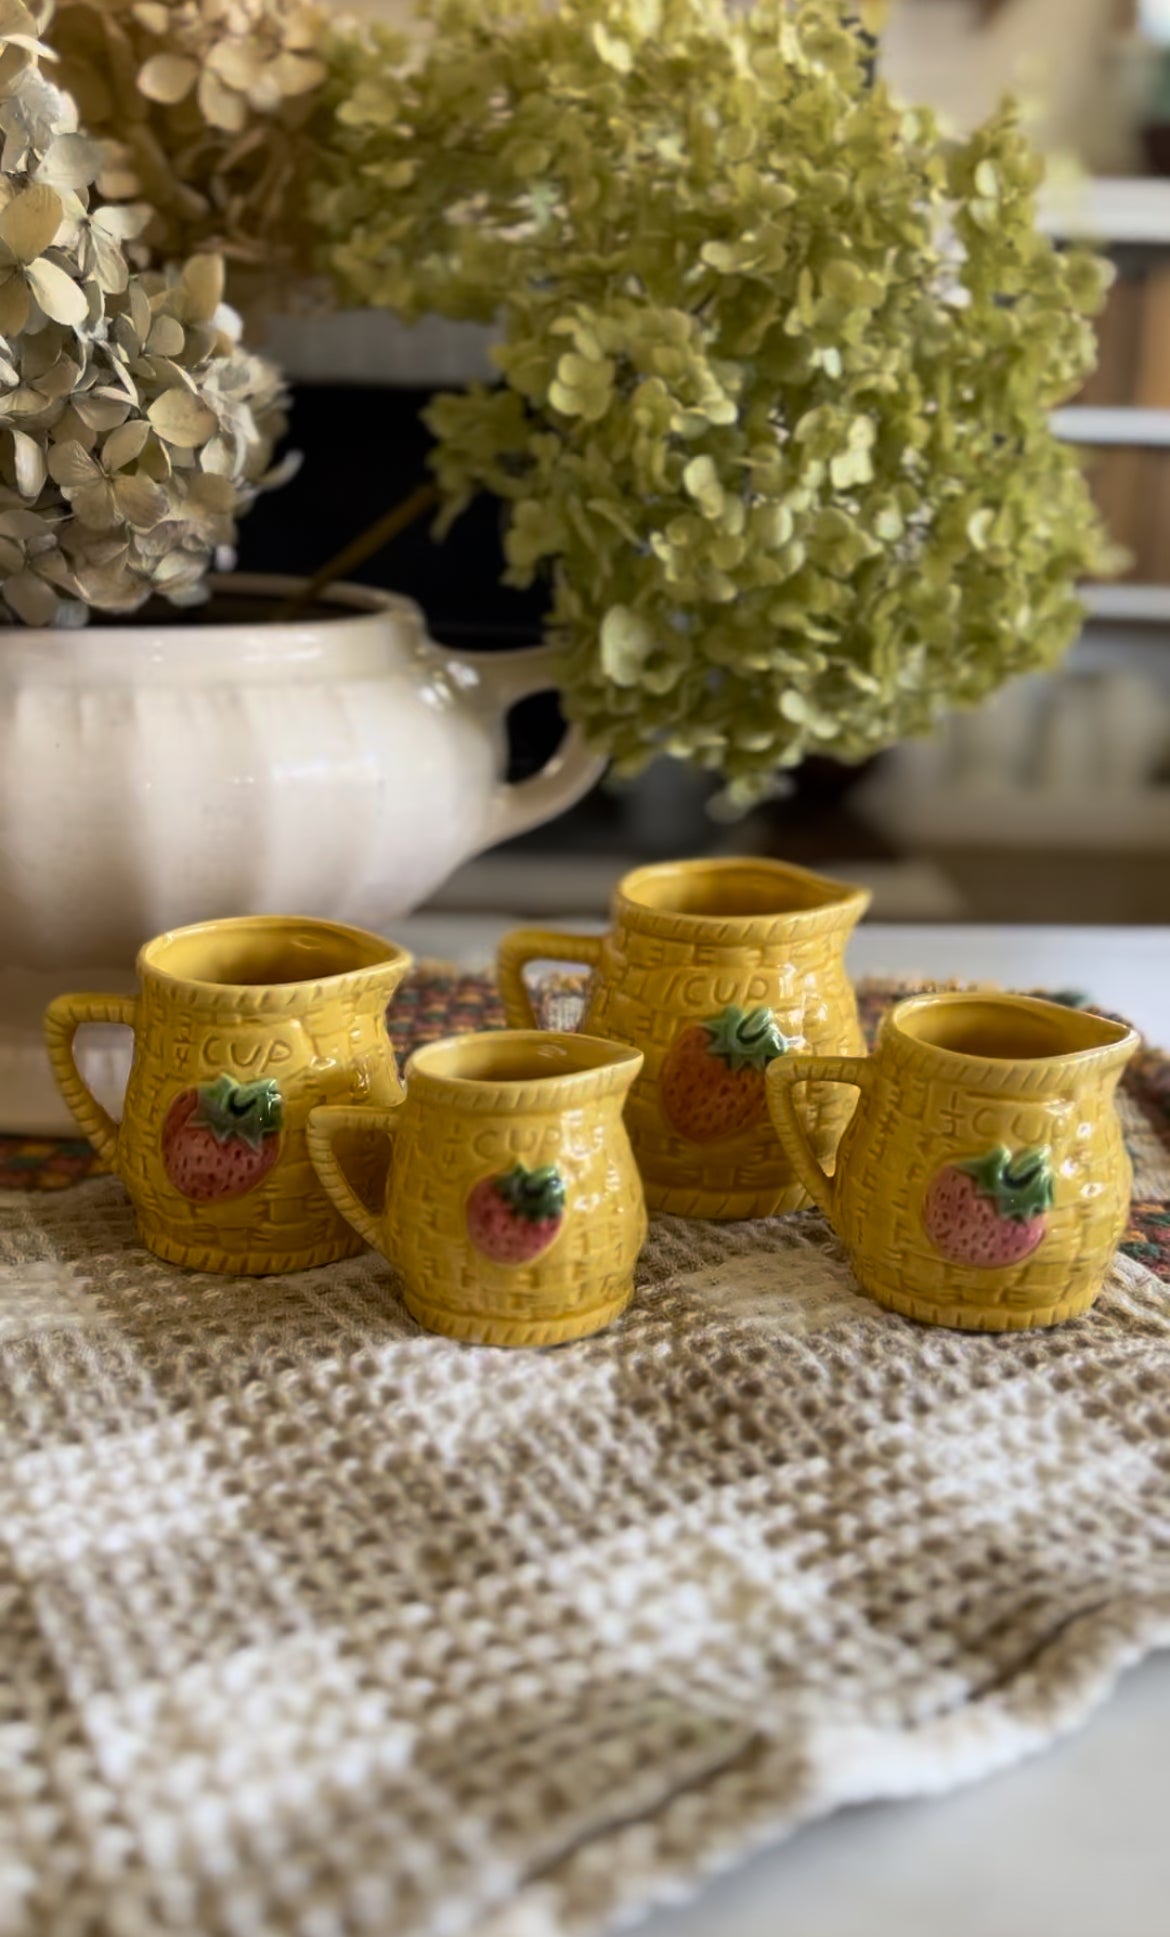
{"x": 778, "y": 361}
{"x": 203, "y": 105}
{"x": 134, "y": 428}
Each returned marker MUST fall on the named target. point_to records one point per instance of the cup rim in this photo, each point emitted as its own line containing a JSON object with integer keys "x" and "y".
{"x": 846, "y": 901}
{"x": 1122, "y": 1042}
{"x": 598, "y": 1057}
{"x": 379, "y": 953}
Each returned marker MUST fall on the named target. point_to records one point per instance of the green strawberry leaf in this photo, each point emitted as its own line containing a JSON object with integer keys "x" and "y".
{"x": 533, "y": 1194}
{"x": 249, "y": 1111}
{"x": 748, "y": 1039}
{"x": 1022, "y": 1186}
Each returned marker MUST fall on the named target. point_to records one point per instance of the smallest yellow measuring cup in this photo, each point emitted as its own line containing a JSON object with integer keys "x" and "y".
{"x": 513, "y": 1207}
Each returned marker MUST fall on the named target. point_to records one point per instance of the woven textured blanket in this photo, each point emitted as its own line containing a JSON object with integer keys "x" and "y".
{"x": 315, "y": 1624}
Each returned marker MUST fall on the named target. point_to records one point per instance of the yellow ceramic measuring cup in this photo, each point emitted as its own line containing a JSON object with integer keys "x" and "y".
{"x": 713, "y": 969}
{"x": 240, "y": 1027}
{"x": 983, "y": 1181}
{"x": 514, "y": 1210}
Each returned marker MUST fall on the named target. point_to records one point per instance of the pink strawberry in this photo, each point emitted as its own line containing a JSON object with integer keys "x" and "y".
{"x": 514, "y": 1217}
{"x": 219, "y": 1140}
{"x": 991, "y": 1210}
{"x": 712, "y": 1083}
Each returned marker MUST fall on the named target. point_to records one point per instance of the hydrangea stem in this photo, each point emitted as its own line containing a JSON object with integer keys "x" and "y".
{"x": 398, "y": 519}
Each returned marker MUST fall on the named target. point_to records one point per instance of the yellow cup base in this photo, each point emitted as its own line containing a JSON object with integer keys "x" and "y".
{"x": 264, "y": 1263}
{"x": 723, "y": 1207}
{"x": 480, "y": 1328}
{"x": 983, "y": 1318}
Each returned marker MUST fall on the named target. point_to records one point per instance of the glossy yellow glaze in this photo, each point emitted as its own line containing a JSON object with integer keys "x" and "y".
{"x": 687, "y": 940}
{"x": 261, "y": 1000}
{"x": 954, "y": 1077}
{"x": 476, "y": 1108}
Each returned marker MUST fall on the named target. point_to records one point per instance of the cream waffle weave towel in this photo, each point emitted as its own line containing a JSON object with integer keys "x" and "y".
{"x": 313, "y": 1624}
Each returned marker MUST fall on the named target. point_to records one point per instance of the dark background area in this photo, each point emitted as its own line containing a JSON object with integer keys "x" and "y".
{"x": 365, "y": 448}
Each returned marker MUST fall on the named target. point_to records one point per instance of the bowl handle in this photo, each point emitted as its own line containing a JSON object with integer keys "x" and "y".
{"x": 328, "y": 1122}
{"x": 506, "y": 677}
{"x": 783, "y": 1073}
{"x": 63, "y": 1018}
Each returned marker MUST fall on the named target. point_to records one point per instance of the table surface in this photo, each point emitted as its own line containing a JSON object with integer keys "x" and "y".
{"x": 1075, "y": 1839}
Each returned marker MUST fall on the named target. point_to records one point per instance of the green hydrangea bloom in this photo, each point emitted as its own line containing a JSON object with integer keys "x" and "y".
{"x": 777, "y": 360}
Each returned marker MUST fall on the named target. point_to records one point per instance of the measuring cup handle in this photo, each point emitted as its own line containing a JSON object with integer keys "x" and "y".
{"x": 784, "y": 1072}
{"x": 64, "y": 1016}
{"x": 526, "y": 945}
{"x": 326, "y": 1124}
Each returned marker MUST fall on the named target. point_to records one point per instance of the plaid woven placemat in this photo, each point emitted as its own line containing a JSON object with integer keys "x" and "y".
{"x": 316, "y": 1626}
{"x": 436, "y": 1002}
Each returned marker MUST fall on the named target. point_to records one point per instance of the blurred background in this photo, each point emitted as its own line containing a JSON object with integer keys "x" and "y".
{"x": 1051, "y": 805}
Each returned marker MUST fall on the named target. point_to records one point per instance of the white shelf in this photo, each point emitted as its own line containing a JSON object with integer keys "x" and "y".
{"x": 1013, "y": 817}
{"x": 1109, "y": 209}
{"x": 1102, "y": 424}
{"x": 1127, "y": 604}
{"x": 368, "y": 346}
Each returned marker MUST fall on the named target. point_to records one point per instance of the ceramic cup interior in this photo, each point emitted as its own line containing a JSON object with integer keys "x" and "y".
{"x": 1009, "y": 1030}
{"x": 516, "y": 1056}
{"x": 263, "y": 952}
{"x": 728, "y": 890}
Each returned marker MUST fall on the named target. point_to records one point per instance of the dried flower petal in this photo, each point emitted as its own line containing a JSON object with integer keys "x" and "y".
{"x": 29, "y": 222}
{"x": 28, "y": 596}
{"x": 18, "y": 28}
{"x": 72, "y": 161}
{"x": 220, "y": 105}
{"x": 140, "y": 314}
{"x": 29, "y": 459}
{"x": 294, "y": 74}
{"x": 140, "y": 502}
{"x": 215, "y": 492}
{"x": 96, "y": 505}
{"x": 201, "y": 288}
{"x": 58, "y": 295}
{"x": 23, "y": 524}
{"x": 71, "y": 466}
{"x": 15, "y": 305}
{"x": 180, "y": 418}
{"x": 168, "y": 77}
{"x": 237, "y": 63}
{"x": 125, "y": 445}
